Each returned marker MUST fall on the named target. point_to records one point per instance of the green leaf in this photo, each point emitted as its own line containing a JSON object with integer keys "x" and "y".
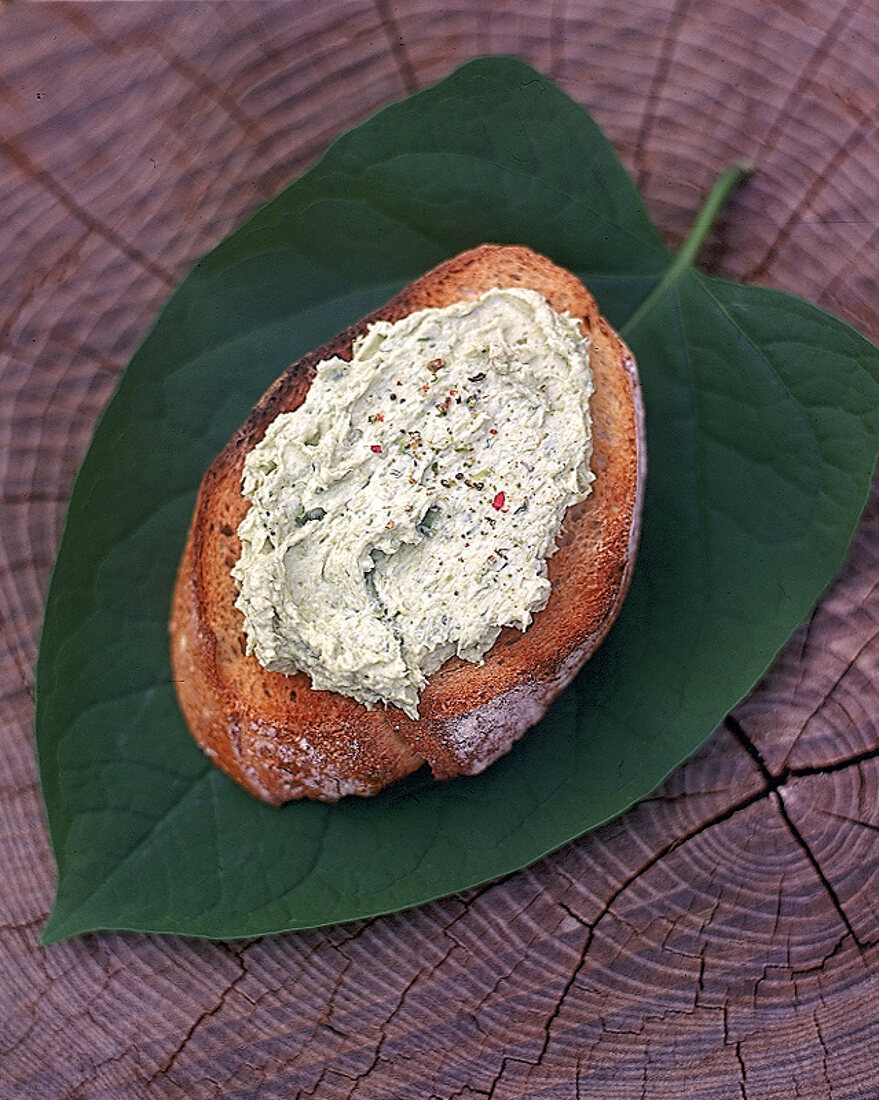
{"x": 762, "y": 436}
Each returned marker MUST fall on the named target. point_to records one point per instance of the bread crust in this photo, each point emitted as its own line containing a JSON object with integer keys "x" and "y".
{"x": 283, "y": 740}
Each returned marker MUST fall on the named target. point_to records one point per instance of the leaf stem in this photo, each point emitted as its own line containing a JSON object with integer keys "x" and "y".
{"x": 723, "y": 187}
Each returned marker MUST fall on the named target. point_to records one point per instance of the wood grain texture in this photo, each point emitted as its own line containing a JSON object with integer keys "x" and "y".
{"x": 718, "y": 941}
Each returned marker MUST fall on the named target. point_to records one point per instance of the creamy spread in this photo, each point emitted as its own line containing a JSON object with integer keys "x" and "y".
{"x": 405, "y": 511}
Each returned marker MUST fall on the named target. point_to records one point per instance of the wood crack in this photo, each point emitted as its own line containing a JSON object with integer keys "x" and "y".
{"x": 31, "y": 923}
{"x": 591, "y": 926}
{"x": 771, "y": 788}
{"x": 398, "y": 47}
{"x": 824, "y": 1053}
{"x": 383, "y": 1036}
{"x": 775, "y": 780}
{"x": 775, "y": 788}
{"x": 743, "y": 1072}
{"x": 207, "y": 1014}
{"x": 827, "y": 697}
{"x": 816, "y": 867}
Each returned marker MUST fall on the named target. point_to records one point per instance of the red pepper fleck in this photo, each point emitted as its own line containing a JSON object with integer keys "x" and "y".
{"x": 380, "y": 417}
{"x": 499, "y": 501}
{"x": 377, "y": 447}
{"x": 492, "y": 431}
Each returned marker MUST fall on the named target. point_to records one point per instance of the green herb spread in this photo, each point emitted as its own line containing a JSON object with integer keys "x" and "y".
{"x": 404, "y": 512}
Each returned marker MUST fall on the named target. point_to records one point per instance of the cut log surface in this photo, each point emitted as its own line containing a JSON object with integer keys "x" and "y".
{"x": 718, "y": 941}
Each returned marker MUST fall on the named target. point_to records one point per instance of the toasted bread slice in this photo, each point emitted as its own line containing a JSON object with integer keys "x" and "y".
{"x": 280, "y": 738}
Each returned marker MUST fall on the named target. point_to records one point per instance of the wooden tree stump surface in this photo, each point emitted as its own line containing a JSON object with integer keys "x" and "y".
{"x": 721, "y": 939}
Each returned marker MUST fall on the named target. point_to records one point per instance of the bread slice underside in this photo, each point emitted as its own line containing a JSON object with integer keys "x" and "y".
{"x": 280, "y": 738}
